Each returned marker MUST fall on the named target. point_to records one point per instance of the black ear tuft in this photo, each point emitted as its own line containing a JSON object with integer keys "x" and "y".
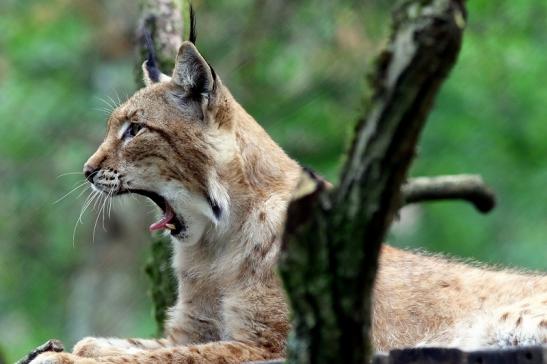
{"x": 193, "y": 34}
{"x": 151, "y": 63}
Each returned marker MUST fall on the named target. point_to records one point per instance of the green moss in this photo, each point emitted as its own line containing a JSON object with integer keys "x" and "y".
{"x": 163, "y": 284}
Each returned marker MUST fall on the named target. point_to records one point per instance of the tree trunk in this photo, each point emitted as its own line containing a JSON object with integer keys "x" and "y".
{"x": 164, "y": 21}
{"x": 329, "y": 261}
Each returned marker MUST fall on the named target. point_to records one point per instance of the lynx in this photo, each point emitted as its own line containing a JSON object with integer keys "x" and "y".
{"x": 223, "y": 187}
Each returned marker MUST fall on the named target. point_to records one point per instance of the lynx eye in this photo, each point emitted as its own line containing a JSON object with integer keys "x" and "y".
{"x": 132, "y": 130}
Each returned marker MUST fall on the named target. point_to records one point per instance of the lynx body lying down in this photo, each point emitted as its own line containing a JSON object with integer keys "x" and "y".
{"x": 223, "y": 186}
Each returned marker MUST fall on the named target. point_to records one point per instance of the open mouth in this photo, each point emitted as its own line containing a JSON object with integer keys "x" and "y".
{"x": 169, "y": 220}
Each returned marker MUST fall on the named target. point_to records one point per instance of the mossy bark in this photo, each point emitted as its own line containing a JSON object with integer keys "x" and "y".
{"x": 163, "y": 284}
{"x": 329, "y": 262}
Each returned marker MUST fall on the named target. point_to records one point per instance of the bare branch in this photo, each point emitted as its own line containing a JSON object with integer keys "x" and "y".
{"x": 465, "y": 187}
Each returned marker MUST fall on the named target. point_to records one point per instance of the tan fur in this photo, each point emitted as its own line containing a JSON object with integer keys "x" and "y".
{"x": 231, "y": 307}
{"x": 429, "y": 300}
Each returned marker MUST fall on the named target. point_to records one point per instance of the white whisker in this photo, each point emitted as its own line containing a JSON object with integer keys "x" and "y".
{"x": 118, "y": 97}
{"x": 82, "y": 192}
{"x": 85, "y": 205}
{"x": 97, "y": 201}
{"x": 97, "y": 219}
{"x": 69, "y": 192}
{"x": 110, "y": 205}
{"x": 68, "y": 174}
{"x": 103, "y": 208}
{"x": 108, "y": 104}
{"x": 104, "y": 110}
{"x": 113, "y": 102}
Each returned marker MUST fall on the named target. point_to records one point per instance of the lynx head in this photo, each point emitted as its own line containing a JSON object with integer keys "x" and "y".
{"x": 168, "y": 142}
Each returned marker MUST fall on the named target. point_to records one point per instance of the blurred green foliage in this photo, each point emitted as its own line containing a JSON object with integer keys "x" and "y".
{"x": 490, "y": 119}
{"x": 299, "y": 68}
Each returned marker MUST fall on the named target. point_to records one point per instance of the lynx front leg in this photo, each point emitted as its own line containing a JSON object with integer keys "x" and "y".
{"x": 93, "y": 347}
{"x": 217, "y": 352}
{"x": 52, "y": 357}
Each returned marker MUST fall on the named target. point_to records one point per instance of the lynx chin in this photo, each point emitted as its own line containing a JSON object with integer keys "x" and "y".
{"x": 223, "y": 186}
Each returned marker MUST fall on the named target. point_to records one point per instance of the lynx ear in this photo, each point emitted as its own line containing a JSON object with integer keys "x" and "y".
{"x": 193, "y": 74}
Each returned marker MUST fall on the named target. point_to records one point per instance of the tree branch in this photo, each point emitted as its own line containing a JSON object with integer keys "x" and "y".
{"x": 469, "y": 188}
{"x": 329, "y": 262}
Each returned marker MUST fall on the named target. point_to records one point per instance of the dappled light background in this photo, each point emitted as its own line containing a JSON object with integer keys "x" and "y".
{"x": 299, "y": 68}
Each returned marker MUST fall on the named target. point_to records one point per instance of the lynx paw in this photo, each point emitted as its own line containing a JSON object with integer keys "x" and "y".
{"x": 521, "y": 328}
{"x": 521, "y": 324}
{"x": 60, "y": 358}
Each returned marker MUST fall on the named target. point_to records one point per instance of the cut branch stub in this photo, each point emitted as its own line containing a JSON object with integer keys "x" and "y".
{"x": 469, "y": 188}
{"x": 329, "y": 262}
{"x": 50, "y": 345}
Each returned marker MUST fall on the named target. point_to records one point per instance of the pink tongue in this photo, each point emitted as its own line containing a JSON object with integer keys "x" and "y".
{"x": 165, "y": 219}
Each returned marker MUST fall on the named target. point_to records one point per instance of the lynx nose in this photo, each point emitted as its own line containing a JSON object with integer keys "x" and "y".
{"x": 89, "y": 172}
